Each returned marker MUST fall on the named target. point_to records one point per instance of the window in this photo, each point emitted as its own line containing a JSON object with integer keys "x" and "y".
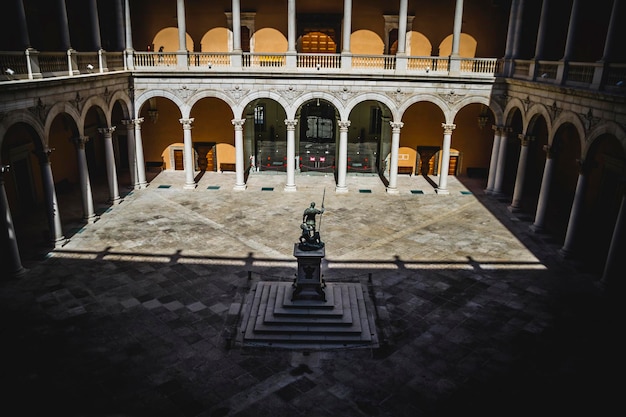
{"x": 259, "y": 118}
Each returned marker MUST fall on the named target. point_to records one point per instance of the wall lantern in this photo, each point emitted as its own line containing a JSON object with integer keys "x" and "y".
{"x": 483, "y": 117}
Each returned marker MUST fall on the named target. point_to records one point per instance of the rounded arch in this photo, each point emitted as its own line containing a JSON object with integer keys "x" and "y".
{"x": 99, "y": 103}
{"x": 147, "y": 95}
{"x": 239, "y": 110}
{"x": 574, "y": 120}
{"x": 269, "y": 40}
{"x": 533, "y": 115}
{"x": 67, "y": 109}
{"x": 350, "y": 105}
{"x": 365, "y": 41}
{"x": 467, "y": 46}
{"x": 216, "y": 40}
{"x": 168, "y": 39}
{"x": 293, "y": 109}
{"x": 513, "y": 106}
{"x": 121, "y": 96}
{"x": 495, "y": 108}
{"x": 445, "y": 110}
{"x": 21, "y": 116}
{"x": 193, "y": 100}
{"x": 610, "y": 128}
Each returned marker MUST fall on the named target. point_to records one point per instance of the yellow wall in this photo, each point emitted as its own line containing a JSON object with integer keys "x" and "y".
{"x": 366, "y": 42}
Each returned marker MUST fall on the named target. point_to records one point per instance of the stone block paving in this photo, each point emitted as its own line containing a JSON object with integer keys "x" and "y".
{"x": 134, "y": 316}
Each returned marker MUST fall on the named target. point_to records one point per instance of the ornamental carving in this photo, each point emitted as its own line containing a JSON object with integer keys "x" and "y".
{"x": 291, "y": 93}
{"x": 237, "y": 93}
{"x": 452, "y": 97}
{"x": 589, "y": 120}
{"x": 554, "y": 110}
{"x": 185, "y": 92}
{"x": 40, "y": 111}
{"x": 344, "y": 94}
{"x": 78, "y": 102}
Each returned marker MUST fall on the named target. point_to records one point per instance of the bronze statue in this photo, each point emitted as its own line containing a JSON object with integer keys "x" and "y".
{"x": 310, "y": 237}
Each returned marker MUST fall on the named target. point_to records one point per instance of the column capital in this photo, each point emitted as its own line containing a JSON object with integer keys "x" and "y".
{"x": 106, "y": 131}
{"x": 396, "y": 126}
{"x": 525, "y": 139}
{"x": 499, "y": 129}
{"x": 129, "y": 123}
{"x": 448, "y": 128}
{"x": 44, "y": 154}
{"x": 344, "y": 124}
{"x": 291, "y": 123}
{"x": 187, "y": 123}
{"x": 550, "y": 151}
{"x": 80, "y": 141}
{"x": 238, "y": 123}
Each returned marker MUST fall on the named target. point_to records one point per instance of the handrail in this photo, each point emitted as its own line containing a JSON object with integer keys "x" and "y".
{"x": 33, "y": 65}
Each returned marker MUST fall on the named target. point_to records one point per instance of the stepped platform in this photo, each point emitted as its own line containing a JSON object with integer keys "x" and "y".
{"x": 271, "y": 318}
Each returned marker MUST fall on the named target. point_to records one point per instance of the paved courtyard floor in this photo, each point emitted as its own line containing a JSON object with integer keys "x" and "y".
{"x": 477, "y": 316}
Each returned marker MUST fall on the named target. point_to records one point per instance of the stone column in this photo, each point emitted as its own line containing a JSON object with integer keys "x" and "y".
{"x": 94, "y": 22}
{"x": 139, "y": 160}
{"x": 544, "y": 193}
{"x": 190, "y": 182}
{"x": 571, "y": 31}
{"x": 510, "y": 34}
{"x": 240, "y": 183}
{"x": 392, "y": 187}
{"x": 52, "y": 207}
{"x": 130, "y": 142}
{"x": 89, "y": 215}
{"x": 119, "y": 25}
{"x": 517, "y": 38}
{"x": 541, "y": 32}
{"x": 402, "y": 17}
{"x": 291, "y": 25}
{"x": 456, "y": 32}
{"x": 12, "y": 252}
{"x": 129, "y": 36}
{"x": 609, "y": 42}
{"x": 493, "y": 162}
{"x": 63, "y": 25}
{"x": 291, "y": 154}
{"x": 342, "y": 163}
{"x": 236, "y": 26}
{"x": 22, "y": 25}
{"x": 445, "y": 158}
{"x": 114, "y": 192}
{"x": 499, "y": 179}
{"x": 521, "y": 174}
{"x": 182, "y": 26}
{"x": 573, "y": 225}
{"x": 613, "y": 268}
{"x": 347, "y": 26}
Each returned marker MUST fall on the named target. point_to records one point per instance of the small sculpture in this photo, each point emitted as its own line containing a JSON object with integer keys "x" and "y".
{"x": 310, "y": 237}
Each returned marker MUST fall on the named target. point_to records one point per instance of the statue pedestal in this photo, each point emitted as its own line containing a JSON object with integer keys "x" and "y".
{"x": 309, "y": 284}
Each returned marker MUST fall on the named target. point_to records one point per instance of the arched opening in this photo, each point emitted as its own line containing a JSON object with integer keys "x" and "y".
{"x": 317, "y": 136}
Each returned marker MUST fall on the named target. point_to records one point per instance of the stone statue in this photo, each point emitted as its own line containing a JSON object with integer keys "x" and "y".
{"x": 310, "y": 237}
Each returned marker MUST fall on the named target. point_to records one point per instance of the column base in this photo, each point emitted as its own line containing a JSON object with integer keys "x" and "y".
{"x": 91, "y": 219}
{"x": 115, "y": 201}
{"x": 392, "y": 190}
{"x": 341, "y": 189}
{"x": 514, "y": 209}
{"x": 566, "y": 253}
{"x": 239, "y": 187}
{"x": 59, "y": 242}
{"x": 442, "y": 191}
{"x": 20, "y": 273}
{"x": 141, "y": 186}
{"x": 290, "y": 188}
{"x": 190, "y": 186}
{"x": 536, "y": 229}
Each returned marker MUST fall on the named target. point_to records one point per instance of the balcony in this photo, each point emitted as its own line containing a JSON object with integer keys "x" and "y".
{"x": 32, "y": 65}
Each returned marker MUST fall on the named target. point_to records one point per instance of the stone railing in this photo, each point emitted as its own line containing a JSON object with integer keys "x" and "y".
{"x": 32, "y": 64}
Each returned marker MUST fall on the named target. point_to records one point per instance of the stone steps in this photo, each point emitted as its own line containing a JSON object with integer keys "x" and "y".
{"x": 272, "y": 318}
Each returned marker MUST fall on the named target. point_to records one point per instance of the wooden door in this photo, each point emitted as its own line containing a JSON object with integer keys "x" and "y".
{"x": 178, "y": 160}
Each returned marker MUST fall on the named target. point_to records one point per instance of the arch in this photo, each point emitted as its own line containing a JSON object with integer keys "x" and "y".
{"x": 515, "y": 104}
{"x": 574, "y": 119}
{"x": 418, "y": 44}
{"x": 216, "y": 40}
{"x": 122, "y": 97}
{"x": 532, "y": 115}
{"x": 193, "y": 100}
{"x": 168, "y": 38}
{"x": 269, "y": 40}
{"x": 292, "y": 110}
{"x": 63, "y": 108}
{"x": 21, "y": 116}
{"x": 437, "y": 101}
{"x": 240, "y": 109}
{"x": 350, "y": 105}
{"x": 147, "y": 95}
{"x": 316, "y": 42}
{"x": 610, "y": 128}
{"x": 487, "y": 101}
{"x": 366, "y": 42}
{"x": 467, "y": 46}
{"x": 98, "y": 102}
